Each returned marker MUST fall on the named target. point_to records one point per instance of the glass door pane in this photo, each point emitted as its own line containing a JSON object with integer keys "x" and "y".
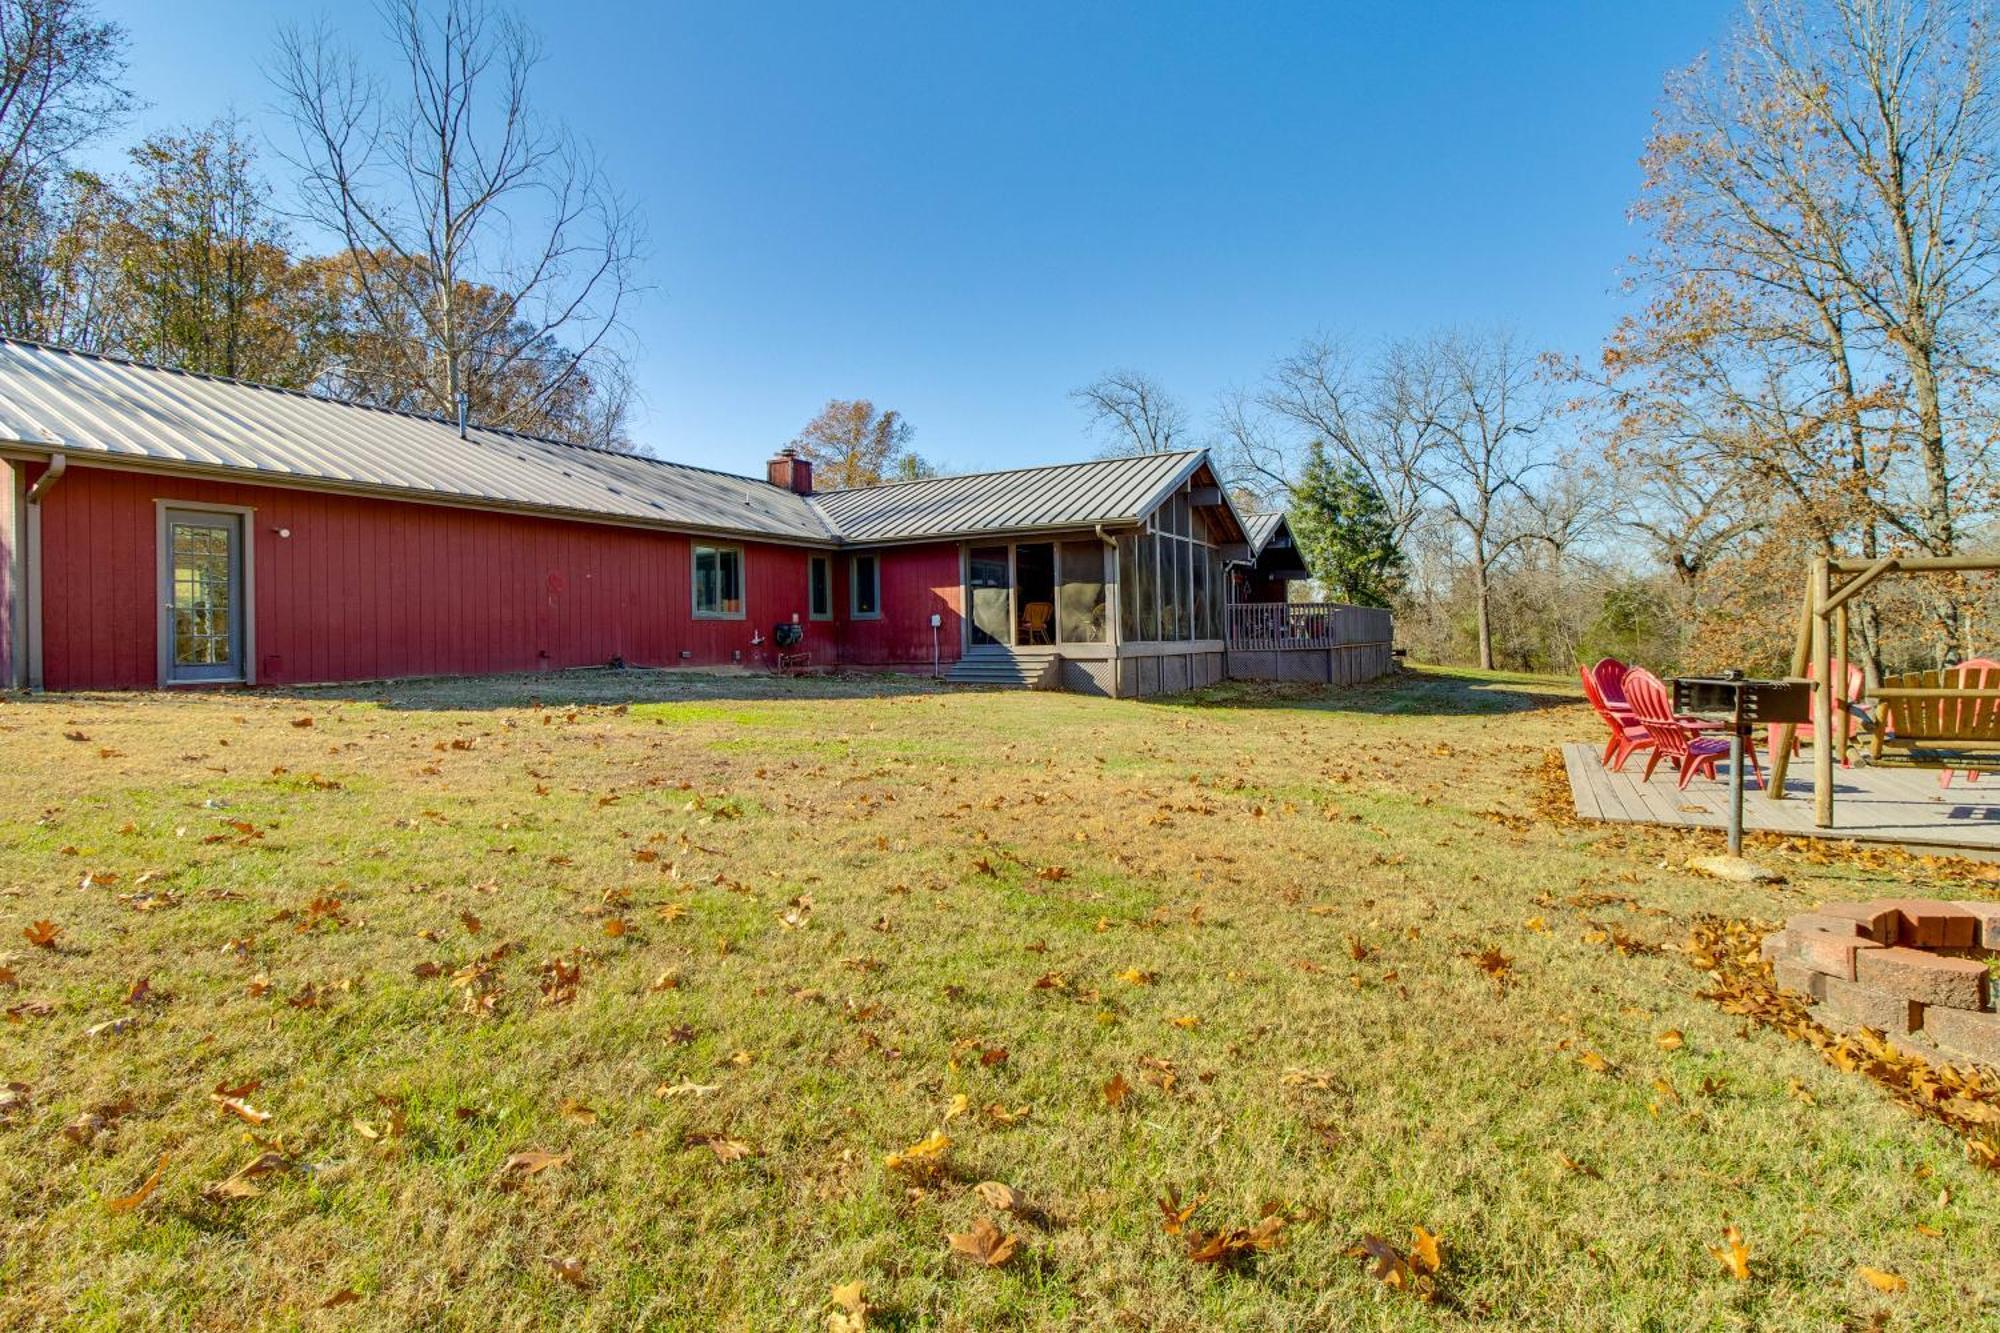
{"x": 204, "y": 597}
{"x": 989, "y": 585}
{"x": 1035, "y": 573}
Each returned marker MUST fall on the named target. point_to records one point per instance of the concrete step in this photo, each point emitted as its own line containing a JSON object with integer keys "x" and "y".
{"x": 1001, "y": 668}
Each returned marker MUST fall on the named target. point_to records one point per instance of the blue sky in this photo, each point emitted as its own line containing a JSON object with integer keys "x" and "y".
{"x": 963, "y": 211}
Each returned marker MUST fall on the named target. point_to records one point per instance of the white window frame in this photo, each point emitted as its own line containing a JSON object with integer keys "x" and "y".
{"x": 246, "y": 520}
{"x": 816, "y": 563}
{"x": 854, "y": 611}
{"x": 694, "y": 581}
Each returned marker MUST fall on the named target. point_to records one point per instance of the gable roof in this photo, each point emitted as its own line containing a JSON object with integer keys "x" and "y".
{"x": 1260, "y": 528}
{"x": 1066, "y": 495}
{"x": 84, "y": 404}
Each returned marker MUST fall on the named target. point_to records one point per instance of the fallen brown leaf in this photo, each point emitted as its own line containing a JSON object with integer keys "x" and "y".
{"x": 1884, "y": 1281}
{"x": 985, "y": 1243}
{"x": 239, "y": 1108}
{"x": 1733, "y": 1254}
{"x": 533, "y": 1162}
{"x": 997, "y": 1196}
{"x": 145, "y": 1191}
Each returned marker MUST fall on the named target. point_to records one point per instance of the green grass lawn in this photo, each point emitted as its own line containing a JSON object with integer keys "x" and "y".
{"x": 724, "y": 944}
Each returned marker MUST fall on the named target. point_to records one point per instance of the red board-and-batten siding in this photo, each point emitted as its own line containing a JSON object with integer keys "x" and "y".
{"x": 917, "y": 582}
{"x": 367, "y": 588}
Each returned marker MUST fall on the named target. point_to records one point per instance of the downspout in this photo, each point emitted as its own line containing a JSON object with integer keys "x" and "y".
{"x": 51, "y": 476}
{"x": 58, "y": 464}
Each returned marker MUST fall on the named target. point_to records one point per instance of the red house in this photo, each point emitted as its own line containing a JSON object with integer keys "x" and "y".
{"x": 165, "y": 529}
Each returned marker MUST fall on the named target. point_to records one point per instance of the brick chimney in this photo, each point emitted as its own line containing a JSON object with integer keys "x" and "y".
{"x": 790, "y": 472}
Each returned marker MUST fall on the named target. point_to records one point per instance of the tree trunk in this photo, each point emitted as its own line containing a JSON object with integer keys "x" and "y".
{"x": 1483, "y": 591}
{"x": 1939, "y": 527}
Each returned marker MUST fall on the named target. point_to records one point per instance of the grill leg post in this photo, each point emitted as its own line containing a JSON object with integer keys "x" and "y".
{"x": 1736, "y": 790}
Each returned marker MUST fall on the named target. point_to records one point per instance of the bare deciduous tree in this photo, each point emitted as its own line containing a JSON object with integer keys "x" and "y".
{"x": 1378, "y": 415}
{"x": 60, "y": 67}
{"x": 1826, "y": 201}
{"x": 59, "y": 71}
{"x": 1487, "y": 407}
{"x": 1138, "y": 415}
{"x": 1444, "y": 428}
{"x": 491, "y": 239}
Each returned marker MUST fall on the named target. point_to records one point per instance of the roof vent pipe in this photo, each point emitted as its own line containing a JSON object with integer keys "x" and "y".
{"x": 464, "y": 411}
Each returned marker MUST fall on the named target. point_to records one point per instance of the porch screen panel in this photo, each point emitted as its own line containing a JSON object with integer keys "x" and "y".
{"x": 1173, "y": 590}
{"x": 1147, "y": 588}
{"x": 1200, "y": 598}
{"x": 1128, "y": 589}
{"x": 1217, "y": 593}
{"x": 1185, "y": 581}
{"x": 1171, "y": 580}
{"x": 1080, "y": 594}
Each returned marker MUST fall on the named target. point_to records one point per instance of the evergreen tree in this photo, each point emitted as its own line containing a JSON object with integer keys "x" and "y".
{"x": 1344, "y": 531}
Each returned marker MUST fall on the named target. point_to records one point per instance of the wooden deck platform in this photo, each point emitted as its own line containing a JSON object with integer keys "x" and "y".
{"x": 1905, "y": 806}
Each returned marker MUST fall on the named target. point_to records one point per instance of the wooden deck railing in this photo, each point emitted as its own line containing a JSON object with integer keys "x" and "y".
{"x": 1277, "y": 626}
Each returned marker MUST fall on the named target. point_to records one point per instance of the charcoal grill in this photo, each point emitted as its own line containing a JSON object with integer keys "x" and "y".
{"x": 1741, "y": 703}
{"x": 789, "y": 639}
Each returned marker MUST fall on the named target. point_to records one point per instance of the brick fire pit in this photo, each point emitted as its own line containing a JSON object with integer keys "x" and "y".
{"x": 1914, "y": 968}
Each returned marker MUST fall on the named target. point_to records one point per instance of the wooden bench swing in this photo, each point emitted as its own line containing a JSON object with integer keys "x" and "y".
{"x": 1947, "y": 719}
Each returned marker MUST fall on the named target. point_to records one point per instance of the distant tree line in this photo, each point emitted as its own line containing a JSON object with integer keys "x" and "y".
{"x": 1808, "y": 368}
{"x": 472, "y": 253}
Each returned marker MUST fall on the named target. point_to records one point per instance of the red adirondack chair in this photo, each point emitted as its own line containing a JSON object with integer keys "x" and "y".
{"x": 1843, "y": 715}
{"x": 1691, "y": 750}
{"x": 1610, "y": 676}
{"x": 1978, "y": 673}
{"x": 1611, "y": 673}
{"x": 1626, "y": 733}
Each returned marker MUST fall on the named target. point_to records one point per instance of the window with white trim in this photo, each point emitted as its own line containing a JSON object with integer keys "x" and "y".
{"x": 718, "y": 582}
{"x": 864, "y": 584}
{"x": 819, "y": 586}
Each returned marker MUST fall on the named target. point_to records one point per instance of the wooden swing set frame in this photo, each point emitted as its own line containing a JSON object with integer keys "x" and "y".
{"x": 1822, "y": 639}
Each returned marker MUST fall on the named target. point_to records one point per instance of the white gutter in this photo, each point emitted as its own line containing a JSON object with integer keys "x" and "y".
{"x": 58, "y": 465}
{"x": 31, "y": 594}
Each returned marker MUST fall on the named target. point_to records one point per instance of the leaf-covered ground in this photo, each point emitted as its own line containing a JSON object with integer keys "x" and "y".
{"x": 684, "y": 1001}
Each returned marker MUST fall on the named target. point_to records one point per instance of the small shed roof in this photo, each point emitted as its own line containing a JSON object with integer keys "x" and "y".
{"x": 1260, "y": 528}
{"x": 1273, "y": 552}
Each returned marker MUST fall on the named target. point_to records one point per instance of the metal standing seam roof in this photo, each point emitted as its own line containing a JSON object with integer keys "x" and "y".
{"x": 1260, "y": 528}
{"x": 1066, "y": 495}
{"x": 85, "y": 404}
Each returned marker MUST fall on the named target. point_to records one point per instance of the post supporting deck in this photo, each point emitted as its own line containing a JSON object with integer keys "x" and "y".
{"x": 1781, "y": 745}
{"x": 1823, "y": 694}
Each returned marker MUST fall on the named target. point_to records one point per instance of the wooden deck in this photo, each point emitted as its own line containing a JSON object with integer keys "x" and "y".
{"x": 1905, "y": 806}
